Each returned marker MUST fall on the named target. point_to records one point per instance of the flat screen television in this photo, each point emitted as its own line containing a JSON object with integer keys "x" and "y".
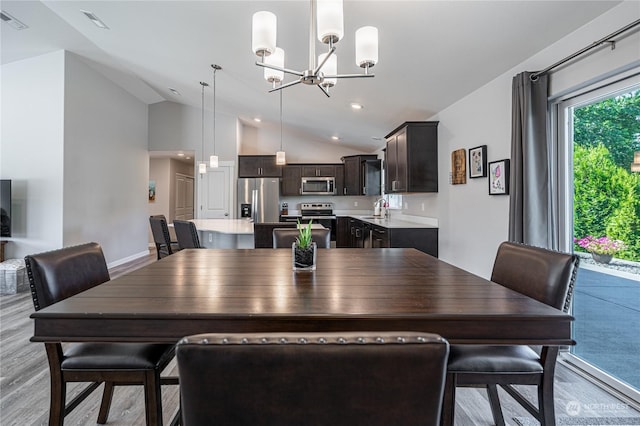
{"x": 5, "y": 207}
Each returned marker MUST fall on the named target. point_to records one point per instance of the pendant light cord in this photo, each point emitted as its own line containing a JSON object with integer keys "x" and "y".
{"x": 215, "y": 68}
{"x": 203, "y": 84}
{"x": 280, "y": 120}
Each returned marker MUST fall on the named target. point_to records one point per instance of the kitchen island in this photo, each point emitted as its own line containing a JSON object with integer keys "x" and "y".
{"x": 225, "y": 233}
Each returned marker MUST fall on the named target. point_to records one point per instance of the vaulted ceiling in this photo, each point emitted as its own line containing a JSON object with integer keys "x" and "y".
{"x": 432, "y": 53}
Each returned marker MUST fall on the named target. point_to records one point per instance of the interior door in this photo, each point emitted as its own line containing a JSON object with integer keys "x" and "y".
{"x": 215, "y": 193}
{"x": 183, "y": 209}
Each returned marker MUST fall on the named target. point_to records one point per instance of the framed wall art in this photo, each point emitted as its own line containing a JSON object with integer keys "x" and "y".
{"x": 478, "y": 162}
{"x": 499, "y": 177}
{"x": 458, "y": 167}
{"x": 152, "y": 190}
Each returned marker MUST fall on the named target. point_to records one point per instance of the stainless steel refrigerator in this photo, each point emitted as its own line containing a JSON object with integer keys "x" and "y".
{"x": 259, "y": 199}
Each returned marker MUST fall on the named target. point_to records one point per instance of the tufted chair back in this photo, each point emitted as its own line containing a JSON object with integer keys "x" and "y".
{"x": 541, "y": 274}
{"x": 58, "y": 274}
{"x": 285, "y": 237}
{"x": 373, "y": 378}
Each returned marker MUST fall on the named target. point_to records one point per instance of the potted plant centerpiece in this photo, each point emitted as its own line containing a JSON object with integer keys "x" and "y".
{"x": 602, "y": 249}
{"x": 303, "y": 249}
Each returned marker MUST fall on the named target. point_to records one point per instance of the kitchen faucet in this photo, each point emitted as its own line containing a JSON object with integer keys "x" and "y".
{"x": 380, "y": 207}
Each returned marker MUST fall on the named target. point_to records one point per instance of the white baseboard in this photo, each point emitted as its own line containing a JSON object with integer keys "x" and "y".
{"x": 128, "y": 259}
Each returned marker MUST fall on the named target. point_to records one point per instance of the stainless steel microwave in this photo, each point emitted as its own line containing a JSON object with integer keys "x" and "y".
{"x": 318, "y": 186}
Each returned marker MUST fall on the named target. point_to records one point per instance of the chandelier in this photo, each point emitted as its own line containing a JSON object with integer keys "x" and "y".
{"x": 326, "y": 19}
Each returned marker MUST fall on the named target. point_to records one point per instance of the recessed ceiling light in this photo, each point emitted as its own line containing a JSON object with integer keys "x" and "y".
{"x": 174, "y": 91}
{"x": 12, "y": 21}
{"x": 335, "y": 138}
{"x": 93, "y": 18}
{"x": 257, "y": 119}
{"x": 355, "y": 105}
{"x": 187, "y": 158}
{"x": 376, "y": 138}
{"x": 180, "y": 154}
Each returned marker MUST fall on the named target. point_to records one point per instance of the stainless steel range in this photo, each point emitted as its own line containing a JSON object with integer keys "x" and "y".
{"x": 321, "y": 213}
{"x": 316, "y": 211}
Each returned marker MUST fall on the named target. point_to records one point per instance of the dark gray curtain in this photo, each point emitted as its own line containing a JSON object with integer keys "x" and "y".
{"x": 530, "y": 198}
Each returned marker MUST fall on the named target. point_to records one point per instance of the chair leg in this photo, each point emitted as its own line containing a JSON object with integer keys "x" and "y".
{"x": 546, "y": 403}
{"x": 494, "y": 402}
{"x": 107, "y": 396}
{"x": 449, "y": 401}
{"x": 152, "y": 398}
{"x": 58, "y": 386}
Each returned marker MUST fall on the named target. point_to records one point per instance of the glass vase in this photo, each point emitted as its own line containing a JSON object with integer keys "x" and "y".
{"x": 304, "y": 259}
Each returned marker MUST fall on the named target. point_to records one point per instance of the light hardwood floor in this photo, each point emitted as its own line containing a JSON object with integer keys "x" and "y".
{"x": 24, "y": 384}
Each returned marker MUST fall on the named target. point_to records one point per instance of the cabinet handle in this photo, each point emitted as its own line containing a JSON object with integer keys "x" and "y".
{"x": 344, "y": 191}
{"x": 364, "y": 190}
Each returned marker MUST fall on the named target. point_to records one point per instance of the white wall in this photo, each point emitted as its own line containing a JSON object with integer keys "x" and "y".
{"x": 76, "y": 146}
{"x": 264, "y": 139}
{"x": 472, "y": 223}
{"x": 32, "y": 151}
{"x": 106, "y": 164}
{"x": 175, "y": 126}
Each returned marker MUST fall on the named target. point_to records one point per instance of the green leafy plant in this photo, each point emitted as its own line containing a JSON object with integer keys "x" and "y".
{"x": 304, "y": 238}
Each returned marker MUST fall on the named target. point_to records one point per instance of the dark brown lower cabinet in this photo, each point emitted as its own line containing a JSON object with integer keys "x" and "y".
{"x": 357, "y": 233}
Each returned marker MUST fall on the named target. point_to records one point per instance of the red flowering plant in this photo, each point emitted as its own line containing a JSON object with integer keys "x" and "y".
{"x": 602, "y": 245}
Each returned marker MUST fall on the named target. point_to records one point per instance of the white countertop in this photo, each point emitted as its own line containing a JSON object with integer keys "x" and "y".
{"x": 224, "y": 226}
{"x": 403, "y": 221}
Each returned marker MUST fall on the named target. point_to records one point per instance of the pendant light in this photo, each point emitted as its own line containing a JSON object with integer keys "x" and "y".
{"x": 280, "y": 155}
{"x": 202, "y": 166}
{"x": 213, "y": 160}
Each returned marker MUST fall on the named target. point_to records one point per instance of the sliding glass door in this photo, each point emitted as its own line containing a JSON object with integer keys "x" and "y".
{"x": 599, "y": 133}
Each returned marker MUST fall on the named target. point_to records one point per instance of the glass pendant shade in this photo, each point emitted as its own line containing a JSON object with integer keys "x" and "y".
{"x": 329, "y": 68}
{"x": 277, "y": 60}
{"x": 202, "y": 168}
{"x": 280, "y": 158}
{"x": 213, "y": 161}
{"x": 366, "y": 47}
{"x": 263, "y": 36}
{"x": 635, "y": 166}
{"x": 330, "y": 22}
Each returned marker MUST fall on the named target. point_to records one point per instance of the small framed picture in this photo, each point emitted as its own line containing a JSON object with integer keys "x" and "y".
{"x": 499, "y": 177}
{"x": 458, "y": 172}
{"x": 478, "y": 162}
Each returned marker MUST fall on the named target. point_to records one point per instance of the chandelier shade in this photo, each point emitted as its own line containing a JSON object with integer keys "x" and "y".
{"x": 366, "y": 47}
{"x": 202, "y": 168}
{"x": 263, "y": 40}
{"x": 330, "y": 21}
{"x": 330, "y": 68}
{"x": 277, "y": 60}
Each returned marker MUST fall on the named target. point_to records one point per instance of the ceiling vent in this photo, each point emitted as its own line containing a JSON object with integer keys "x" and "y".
{"x": 12, "y": 21}
{"x": 93, "y": 18}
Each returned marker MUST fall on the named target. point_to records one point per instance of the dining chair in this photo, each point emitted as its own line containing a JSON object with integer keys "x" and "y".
{"x": 334, "y": 378}
{"x": 186, "y": 234}
{"x": 547, "y": 276}
{"x": 59, "y": 274}
{"x": 285, "y": 237}
{"x": 161, "y": 237}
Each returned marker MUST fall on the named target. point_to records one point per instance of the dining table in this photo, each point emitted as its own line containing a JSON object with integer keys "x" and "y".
{"x": 256, "y": 290}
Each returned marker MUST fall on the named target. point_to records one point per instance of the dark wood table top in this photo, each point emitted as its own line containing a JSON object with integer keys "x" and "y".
{"x": 200, "y": 291}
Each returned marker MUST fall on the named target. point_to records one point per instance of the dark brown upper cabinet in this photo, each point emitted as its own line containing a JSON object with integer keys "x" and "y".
{"x": 412, "y": 158}
{"x": 362, "y": 175}
{"x": 291, "y": 178}
{"x": 258, "y": 166}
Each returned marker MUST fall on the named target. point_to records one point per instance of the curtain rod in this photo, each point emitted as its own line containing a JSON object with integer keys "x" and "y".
{"x": 595, "y": 44}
